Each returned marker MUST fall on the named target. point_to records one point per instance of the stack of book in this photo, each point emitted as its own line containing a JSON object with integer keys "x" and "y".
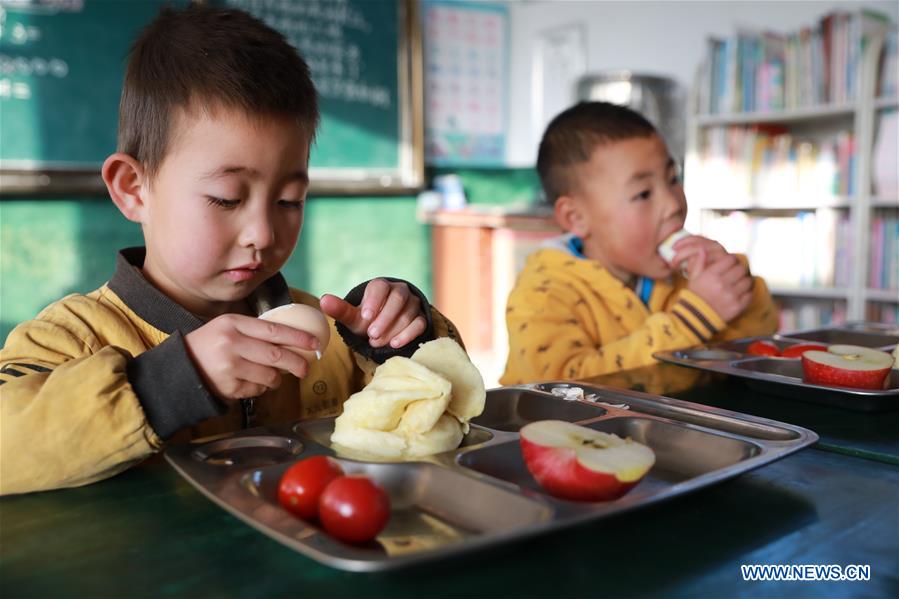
{"x": 887, "y": 313}
{"x": 740, "y": 164}
{"x": 764, "y": 70}
{"x": 808, "y": 249}
{"x": 810, "y": 315}
{"x": 884, "y": 270}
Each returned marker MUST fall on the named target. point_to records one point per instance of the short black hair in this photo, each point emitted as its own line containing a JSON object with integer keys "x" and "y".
{"x": 574, "y": 133}
{"x": 202, "y": 57}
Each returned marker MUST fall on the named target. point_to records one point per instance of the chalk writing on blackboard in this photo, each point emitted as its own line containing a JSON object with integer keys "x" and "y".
{"x": 323, "y": 30}
{"x": 62, "y": 61}
{"x": 17, "y": 60}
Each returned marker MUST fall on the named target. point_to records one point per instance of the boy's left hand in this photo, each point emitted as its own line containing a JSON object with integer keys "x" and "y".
{"x": 389, "y": 313}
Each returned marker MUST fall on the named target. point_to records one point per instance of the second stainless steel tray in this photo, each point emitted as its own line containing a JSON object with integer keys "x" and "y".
{"x": 481, "y": 494}
{"x": 783, "y": 376}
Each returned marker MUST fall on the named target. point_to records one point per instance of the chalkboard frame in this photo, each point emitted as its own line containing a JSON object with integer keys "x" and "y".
{"x": 407, "y": 177}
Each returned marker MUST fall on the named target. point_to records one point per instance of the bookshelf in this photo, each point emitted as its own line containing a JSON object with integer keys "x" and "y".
{"x": 788, "y": 179}
{"x": 811, "y": 113}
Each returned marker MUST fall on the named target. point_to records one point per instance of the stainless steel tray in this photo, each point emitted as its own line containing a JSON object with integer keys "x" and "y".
{"x": 481, "y": 494}
{"x": 783, "y": 376}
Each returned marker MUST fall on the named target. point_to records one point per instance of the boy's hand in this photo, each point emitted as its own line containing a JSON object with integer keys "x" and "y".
{"x": 389, "y": 312}
{"x": 696, "y": 252}
{"x": 724, "y": 283}
{"x": 242, "y": 356}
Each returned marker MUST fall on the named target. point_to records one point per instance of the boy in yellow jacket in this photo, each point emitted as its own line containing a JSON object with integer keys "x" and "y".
{"x": 601, "y": 299}
{"x": 216, "y": 119}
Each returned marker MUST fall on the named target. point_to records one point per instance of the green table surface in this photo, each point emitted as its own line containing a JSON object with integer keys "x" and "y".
{"x": 871, "y": 435}
{"x": 147, "y": 532}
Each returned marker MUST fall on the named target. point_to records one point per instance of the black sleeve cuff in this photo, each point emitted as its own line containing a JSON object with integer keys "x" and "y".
{"x": 169, "y": 388}
{"x": 379, "y": 355}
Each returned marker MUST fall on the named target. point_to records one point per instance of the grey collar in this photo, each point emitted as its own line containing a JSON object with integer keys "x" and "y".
{"x": 164, "y": 313}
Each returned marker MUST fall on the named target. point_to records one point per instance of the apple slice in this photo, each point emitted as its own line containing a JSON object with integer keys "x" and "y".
{"x": 847, "y": 366}
{"x": 579, "y": 463}
{"x": 796, "y": 351}
{"x": 763, "y": 348}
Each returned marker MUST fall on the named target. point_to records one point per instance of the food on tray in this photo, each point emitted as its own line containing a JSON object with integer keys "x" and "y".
{"x": 896, "y": 356}
{"x": 769, "y": 348}
{"x": 447, "y": 358}
{"x": 666, "y": 248}
{"x": 575, "y": 462}
{"x": 847, "y": 366}
{"x": 302, "y": 485}
{"x": 354, "y": 509}
{"x": 413, "y": 407}
{"x": 796, "y": 351}
{"x": 306, "y": 318}
{"x": 763, "y": 348}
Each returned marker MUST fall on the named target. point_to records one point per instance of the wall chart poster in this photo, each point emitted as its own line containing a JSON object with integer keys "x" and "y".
{"x": 466, "y": 52}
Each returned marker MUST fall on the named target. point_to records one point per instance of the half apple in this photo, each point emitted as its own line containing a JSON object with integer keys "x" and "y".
{"x": 578, "y": 463}
{"x": 847, "y": 366}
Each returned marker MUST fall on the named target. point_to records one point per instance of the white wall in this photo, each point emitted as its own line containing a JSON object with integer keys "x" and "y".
{"x": 666, "y": 38}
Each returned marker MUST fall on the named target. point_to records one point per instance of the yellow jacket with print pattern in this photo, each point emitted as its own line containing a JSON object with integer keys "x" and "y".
{"x": 98, "y": 382}
{"x": 569, "y": 318}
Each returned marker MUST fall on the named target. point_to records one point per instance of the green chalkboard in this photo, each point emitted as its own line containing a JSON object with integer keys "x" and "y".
{"x": 61, "y": 68}
{"x": 62, "y": 61}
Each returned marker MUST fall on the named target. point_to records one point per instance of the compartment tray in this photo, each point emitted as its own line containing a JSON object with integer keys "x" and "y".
{"x": 783, "y": 376}
{"x": 481, "y": 494}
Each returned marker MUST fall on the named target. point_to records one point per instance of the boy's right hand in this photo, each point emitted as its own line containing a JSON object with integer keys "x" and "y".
{"x": 724, "y": 283}
{"x": 242, "y": 356}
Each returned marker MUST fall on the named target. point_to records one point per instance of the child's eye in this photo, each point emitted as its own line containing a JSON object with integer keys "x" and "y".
{"x": 643, "y": 195}
{"x": 222, "y": 202}
{"x": 292, "y": 204}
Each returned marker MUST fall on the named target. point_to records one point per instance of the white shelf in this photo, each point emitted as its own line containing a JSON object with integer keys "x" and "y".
{"x": 884, "y": 202}
{"x": 781, "y": 204}
{"x": 861, "y": 118}
{"x": 781, "y": 116}
{"x": 883, "y": 295}
{"x": 816, "y": 292}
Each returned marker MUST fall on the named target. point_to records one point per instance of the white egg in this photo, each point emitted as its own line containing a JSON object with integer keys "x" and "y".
{"x": 666, "y": 248}
{"x": 305, "y": 318}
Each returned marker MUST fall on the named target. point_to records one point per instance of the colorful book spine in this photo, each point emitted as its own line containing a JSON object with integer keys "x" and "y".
{"x": 809, "y": 249}
{"x": 763, "y": 71}
{"x": 744, "y": 164}
{"x": 883, "y": 272}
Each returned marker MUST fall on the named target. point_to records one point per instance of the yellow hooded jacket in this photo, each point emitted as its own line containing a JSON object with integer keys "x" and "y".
{"x": 569, "y": 318}
{"x": 98, "y": 382}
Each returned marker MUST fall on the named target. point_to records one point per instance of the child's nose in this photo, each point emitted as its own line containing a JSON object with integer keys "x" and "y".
{"x": 258, "y": 230}
{"x": 675, "y": 203}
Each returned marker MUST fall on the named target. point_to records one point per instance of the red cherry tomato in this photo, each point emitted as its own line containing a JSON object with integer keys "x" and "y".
{"x": 796, "y": 351}
{"x": 303, "y": 483}
{"x": 354, "y": 509}
{"x": 762, "y": 348}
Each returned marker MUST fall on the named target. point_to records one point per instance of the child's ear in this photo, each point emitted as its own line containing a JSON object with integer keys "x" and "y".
{"x": 124, "y": 178}
{"x": 570, "y": 216}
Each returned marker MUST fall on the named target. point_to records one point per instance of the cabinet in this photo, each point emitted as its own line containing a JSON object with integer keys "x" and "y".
{"x": 476, "y": 256}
